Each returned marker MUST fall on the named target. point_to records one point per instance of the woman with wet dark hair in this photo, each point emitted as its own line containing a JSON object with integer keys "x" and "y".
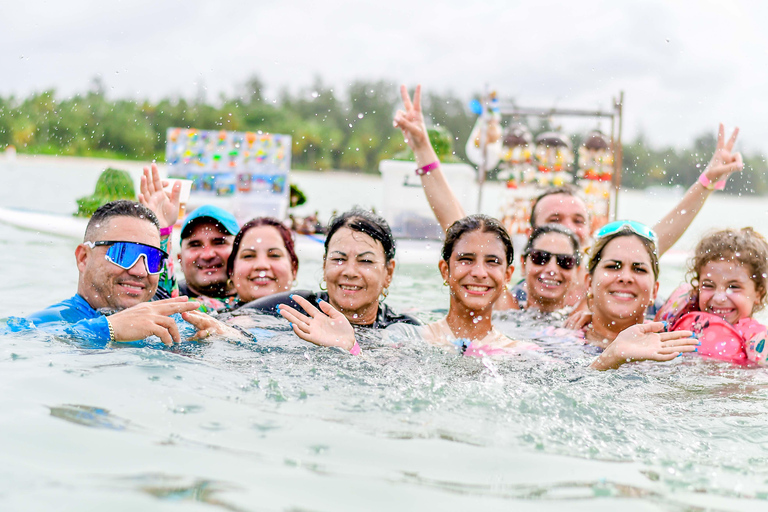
{"x": 358, "y": 266}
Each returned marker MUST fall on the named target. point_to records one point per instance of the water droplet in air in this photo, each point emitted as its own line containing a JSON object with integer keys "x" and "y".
{"x": 360, "y": 115}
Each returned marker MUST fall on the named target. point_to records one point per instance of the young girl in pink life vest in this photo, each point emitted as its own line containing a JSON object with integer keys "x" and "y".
{"x": 728, "y": 282}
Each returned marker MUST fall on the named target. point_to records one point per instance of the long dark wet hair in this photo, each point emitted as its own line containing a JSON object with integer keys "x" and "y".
{"x": 477, "y": 222}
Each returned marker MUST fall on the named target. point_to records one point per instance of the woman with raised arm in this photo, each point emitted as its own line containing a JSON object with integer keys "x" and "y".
{"x": 559, "y": 206}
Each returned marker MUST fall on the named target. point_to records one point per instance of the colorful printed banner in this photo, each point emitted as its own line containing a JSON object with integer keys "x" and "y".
{"x": 249, "y": 168}
{"x": 226, "y": 163}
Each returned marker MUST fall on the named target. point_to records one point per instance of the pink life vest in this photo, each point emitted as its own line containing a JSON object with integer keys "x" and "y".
{"x": 741, "y": 343}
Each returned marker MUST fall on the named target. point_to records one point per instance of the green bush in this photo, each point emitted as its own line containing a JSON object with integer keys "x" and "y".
{"x": 442, "y": 142}
{"x": 113, "y": 184}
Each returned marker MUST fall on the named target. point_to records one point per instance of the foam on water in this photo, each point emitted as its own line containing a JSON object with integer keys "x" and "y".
{"x": 282, "y": 425}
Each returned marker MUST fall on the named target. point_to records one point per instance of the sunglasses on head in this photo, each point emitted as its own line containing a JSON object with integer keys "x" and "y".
{"x": 637, "y": 228}
{"x": 126, "y": 254}
{"x": 541, "y": 258}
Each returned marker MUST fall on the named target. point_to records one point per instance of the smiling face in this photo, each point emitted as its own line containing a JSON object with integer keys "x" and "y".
{"x": 203, "y": 257}
{"x": 262, "y": 266}
{"x": 477, "y": 271}
{"x": 727, "y": 290}
{"x": 548, "y": 284}
{"x": 356, "y": 271}
{"x": 105, "y": 285}
{"x": 623, "y": 284}
{"x": 566, "y": 210}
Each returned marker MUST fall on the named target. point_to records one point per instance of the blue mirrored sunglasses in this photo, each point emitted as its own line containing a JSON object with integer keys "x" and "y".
{"x": 636, "y": 227}
{"x": 126, "y": 254}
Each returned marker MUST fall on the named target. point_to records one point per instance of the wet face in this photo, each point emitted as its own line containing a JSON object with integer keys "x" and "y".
{"x": 203, "y": 256}
{"x": 548, "y": 284}
{"x": 356, "y": 271}
{"x": 477, "y": 271}
{"x": 262, "y": 266}
{"x": 105, "y": 285}
{"x": 568, "y": 211}
{"x": 727, "y": 290}
{"x": 623, "y": 284}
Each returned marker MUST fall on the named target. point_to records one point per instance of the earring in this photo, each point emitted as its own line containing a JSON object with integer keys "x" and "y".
{"x": 295, "y": 283}
{"x": 323, "y": 286}
{"x": 445, "y": 282}
{"x": 384, "y": 293}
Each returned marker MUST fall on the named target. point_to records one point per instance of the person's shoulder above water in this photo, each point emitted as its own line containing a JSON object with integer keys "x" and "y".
{"x": 270, "y": 303}
{"x": 70, "y": 310}
{"x": 385, "y": 317}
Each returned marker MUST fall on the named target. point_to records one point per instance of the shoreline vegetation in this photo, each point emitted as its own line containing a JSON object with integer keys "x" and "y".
{"x": 340, "y": 131}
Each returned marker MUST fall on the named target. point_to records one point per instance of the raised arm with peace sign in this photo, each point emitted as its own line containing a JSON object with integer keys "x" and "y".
{"x": 443, "y": 201}
{"x": 723, "y": 163}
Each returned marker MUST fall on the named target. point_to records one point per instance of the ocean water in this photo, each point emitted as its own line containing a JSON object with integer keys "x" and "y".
{"x": 282, "y": 425}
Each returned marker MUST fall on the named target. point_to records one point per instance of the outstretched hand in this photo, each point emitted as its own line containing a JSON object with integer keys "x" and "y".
{"x": 643, "y": 342}
{"x": 164, "y": 204}
{"x": 151, "y": 318}
{"x": 207, "y": 326}
{"x": 724, "y": 161}
{"x": 411, "y": 123}
{"x": 325, "y": 326}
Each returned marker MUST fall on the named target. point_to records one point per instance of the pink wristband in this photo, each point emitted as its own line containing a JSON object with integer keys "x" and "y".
{"x": 421, "y": 171}
{"x": 704, "y": 181}
{"x": 166, "y": 231}
{"x": 355, "y": 350}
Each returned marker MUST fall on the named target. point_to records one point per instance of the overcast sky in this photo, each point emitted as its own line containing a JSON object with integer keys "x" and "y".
{"x": 683, "y": 65}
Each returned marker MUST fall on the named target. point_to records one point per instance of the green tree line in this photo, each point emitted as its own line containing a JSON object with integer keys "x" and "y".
{"x": 350, "y": 130}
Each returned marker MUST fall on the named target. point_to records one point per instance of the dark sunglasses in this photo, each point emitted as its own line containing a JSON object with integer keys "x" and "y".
{"x": 126, "y": 254}
{"x": 541, "y": 258}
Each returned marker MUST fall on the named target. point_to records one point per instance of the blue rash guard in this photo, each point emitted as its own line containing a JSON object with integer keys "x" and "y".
{"x": 73, "y": 317}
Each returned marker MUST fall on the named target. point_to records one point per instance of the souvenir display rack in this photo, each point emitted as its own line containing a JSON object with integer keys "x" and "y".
{"x": 529, "y": 165}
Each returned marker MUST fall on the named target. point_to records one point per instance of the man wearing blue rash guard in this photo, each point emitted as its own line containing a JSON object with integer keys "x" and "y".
{"x": 119, "y": 263}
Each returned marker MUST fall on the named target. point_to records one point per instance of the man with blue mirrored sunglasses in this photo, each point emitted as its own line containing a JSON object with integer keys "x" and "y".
{"x": 119, "y": 264}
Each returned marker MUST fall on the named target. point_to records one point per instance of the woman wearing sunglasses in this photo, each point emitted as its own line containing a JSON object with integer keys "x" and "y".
{"x": 622, "y": 281}
{"x": 550, "y": 263}
{"x": 557, "y": 205}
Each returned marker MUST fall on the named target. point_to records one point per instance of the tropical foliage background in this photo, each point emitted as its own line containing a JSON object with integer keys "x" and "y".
{"x": 350, "y": 130}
